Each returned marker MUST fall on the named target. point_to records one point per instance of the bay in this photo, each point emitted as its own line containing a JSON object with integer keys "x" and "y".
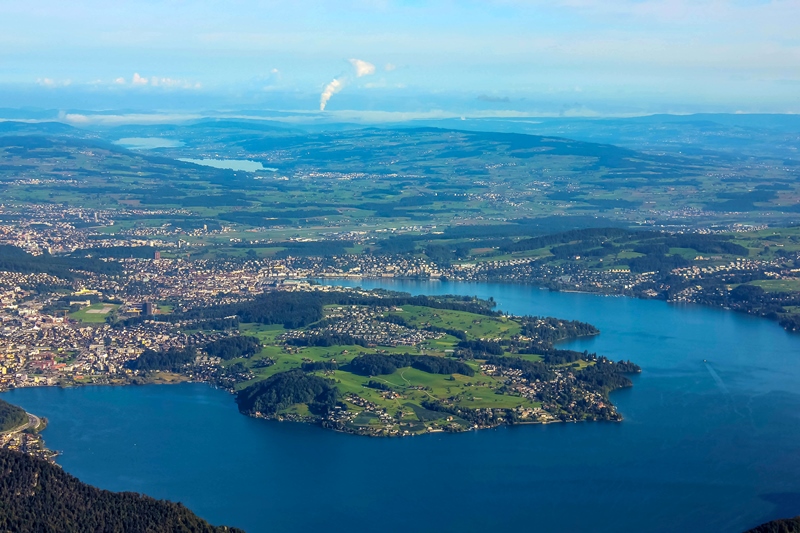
{"x": 709, "y": 441}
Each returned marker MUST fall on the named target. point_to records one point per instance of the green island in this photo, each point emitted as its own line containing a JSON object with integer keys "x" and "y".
{"x": 391, "y": 364}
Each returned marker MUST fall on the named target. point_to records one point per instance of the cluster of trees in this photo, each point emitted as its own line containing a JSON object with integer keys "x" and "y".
{"x": 607, "y": 376}
{"x": 175, "y": 359}
{"x": 657, "y": 263}
{"x": 563, "y": 357}
{"x": 220, "y": 324}
{"x": 589, "y": 248}
{"x": 172, "y": 360}
{"x": 378, "y": 365}
{"x": 14, "y": 259}
{"x": 233, "y": 347}
{"x": 285, "y": 389}
{"x": 656, "y": 250}
{"x": 706, "y": 244}
{"x": 790, "y": 322}
{"x": 299, "y": 309}
{"x": 441, "y": 365}
{"x": 11, "y": 416}
{"x": 479, "y": 347}
{"x": 592, "y": 236}
{"x": 313, "y": 366}
{"x": 550, "y": 330}
{"x": 493, "y": 236}
{"x": 442, "y": 253}
{"x": 327, "y": 339}
{"x": 40, "y": 497}
{"x": 372, "y": 384}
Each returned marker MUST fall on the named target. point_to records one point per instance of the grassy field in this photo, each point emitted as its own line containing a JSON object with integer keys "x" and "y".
{"x": 374, "y": 178}
{"x": 476, "y": 326}
{"x": 412, "y": 386}
{"x": 778, "y": 285}
{"x": 94, "y": 314}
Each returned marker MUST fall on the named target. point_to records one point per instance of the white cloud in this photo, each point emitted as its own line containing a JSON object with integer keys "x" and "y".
{"x": 362, "y": 67}
{"x": 76, "y": 118}
{"x": 50, "y": 82}
{"x": 134, "y": 118}
{"x": 158, "y": 81}
{"x": 389, "y": 67}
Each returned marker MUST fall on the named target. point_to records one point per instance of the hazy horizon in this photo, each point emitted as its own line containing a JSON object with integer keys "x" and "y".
{"x": 495, "y": 58}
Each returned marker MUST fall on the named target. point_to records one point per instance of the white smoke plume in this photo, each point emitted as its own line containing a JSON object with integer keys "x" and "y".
{"x": 362, "y": 68}
{"x": 332, "y": 88}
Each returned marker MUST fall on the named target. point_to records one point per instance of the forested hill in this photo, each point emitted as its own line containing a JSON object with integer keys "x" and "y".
{"x": 787, "y": 525}
{"x": 11, "y": 416}
{"x": 38, "y": 496}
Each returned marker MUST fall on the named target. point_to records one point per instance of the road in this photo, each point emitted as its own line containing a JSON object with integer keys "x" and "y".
{"x": 33, "y": 422}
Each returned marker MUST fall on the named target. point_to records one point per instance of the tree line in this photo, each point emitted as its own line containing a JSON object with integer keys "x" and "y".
{"x": 36, "y": 496}
{"x": 285, "y": 389}
{"x": 11, "y": 416}
{"x": 378, "y": 365}
{"x": 232, "y": 347}
{"x": 298, "y": 309}
{"x": 14, "y": 259}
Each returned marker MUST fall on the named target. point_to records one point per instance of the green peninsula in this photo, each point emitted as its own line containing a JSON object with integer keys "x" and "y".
{"x": 391, "y": 364}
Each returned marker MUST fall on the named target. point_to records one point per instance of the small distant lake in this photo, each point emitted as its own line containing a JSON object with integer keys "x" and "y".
{"x": 148, "y": 143}
{"x": 244, "y": 165}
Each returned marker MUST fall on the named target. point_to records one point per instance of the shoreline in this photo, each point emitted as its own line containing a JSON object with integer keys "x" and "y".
{"x": 550, "y": 289}
{"x": 310, "y": 421}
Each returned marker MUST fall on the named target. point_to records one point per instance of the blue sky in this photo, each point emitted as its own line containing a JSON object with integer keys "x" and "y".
{"x": 578, "y": 57}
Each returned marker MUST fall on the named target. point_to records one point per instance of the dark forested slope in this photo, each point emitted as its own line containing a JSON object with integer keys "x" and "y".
{"x": 11, "y": 416}
{"x": 38, "y": 496}
{"x": 787, "y": 525}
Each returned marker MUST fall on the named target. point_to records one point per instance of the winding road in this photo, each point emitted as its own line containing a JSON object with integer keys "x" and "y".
{"x": 32, "y": 423}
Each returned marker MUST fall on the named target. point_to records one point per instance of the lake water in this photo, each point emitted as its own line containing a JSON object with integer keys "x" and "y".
{"x": 710, "y": 440}
{"x": 148, "y": 143}
{"x": 244, "y": 165}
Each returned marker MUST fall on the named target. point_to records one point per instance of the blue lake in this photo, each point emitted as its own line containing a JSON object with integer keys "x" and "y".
{"x": 232, "y": 164}
{"x": 709, "y": 442}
